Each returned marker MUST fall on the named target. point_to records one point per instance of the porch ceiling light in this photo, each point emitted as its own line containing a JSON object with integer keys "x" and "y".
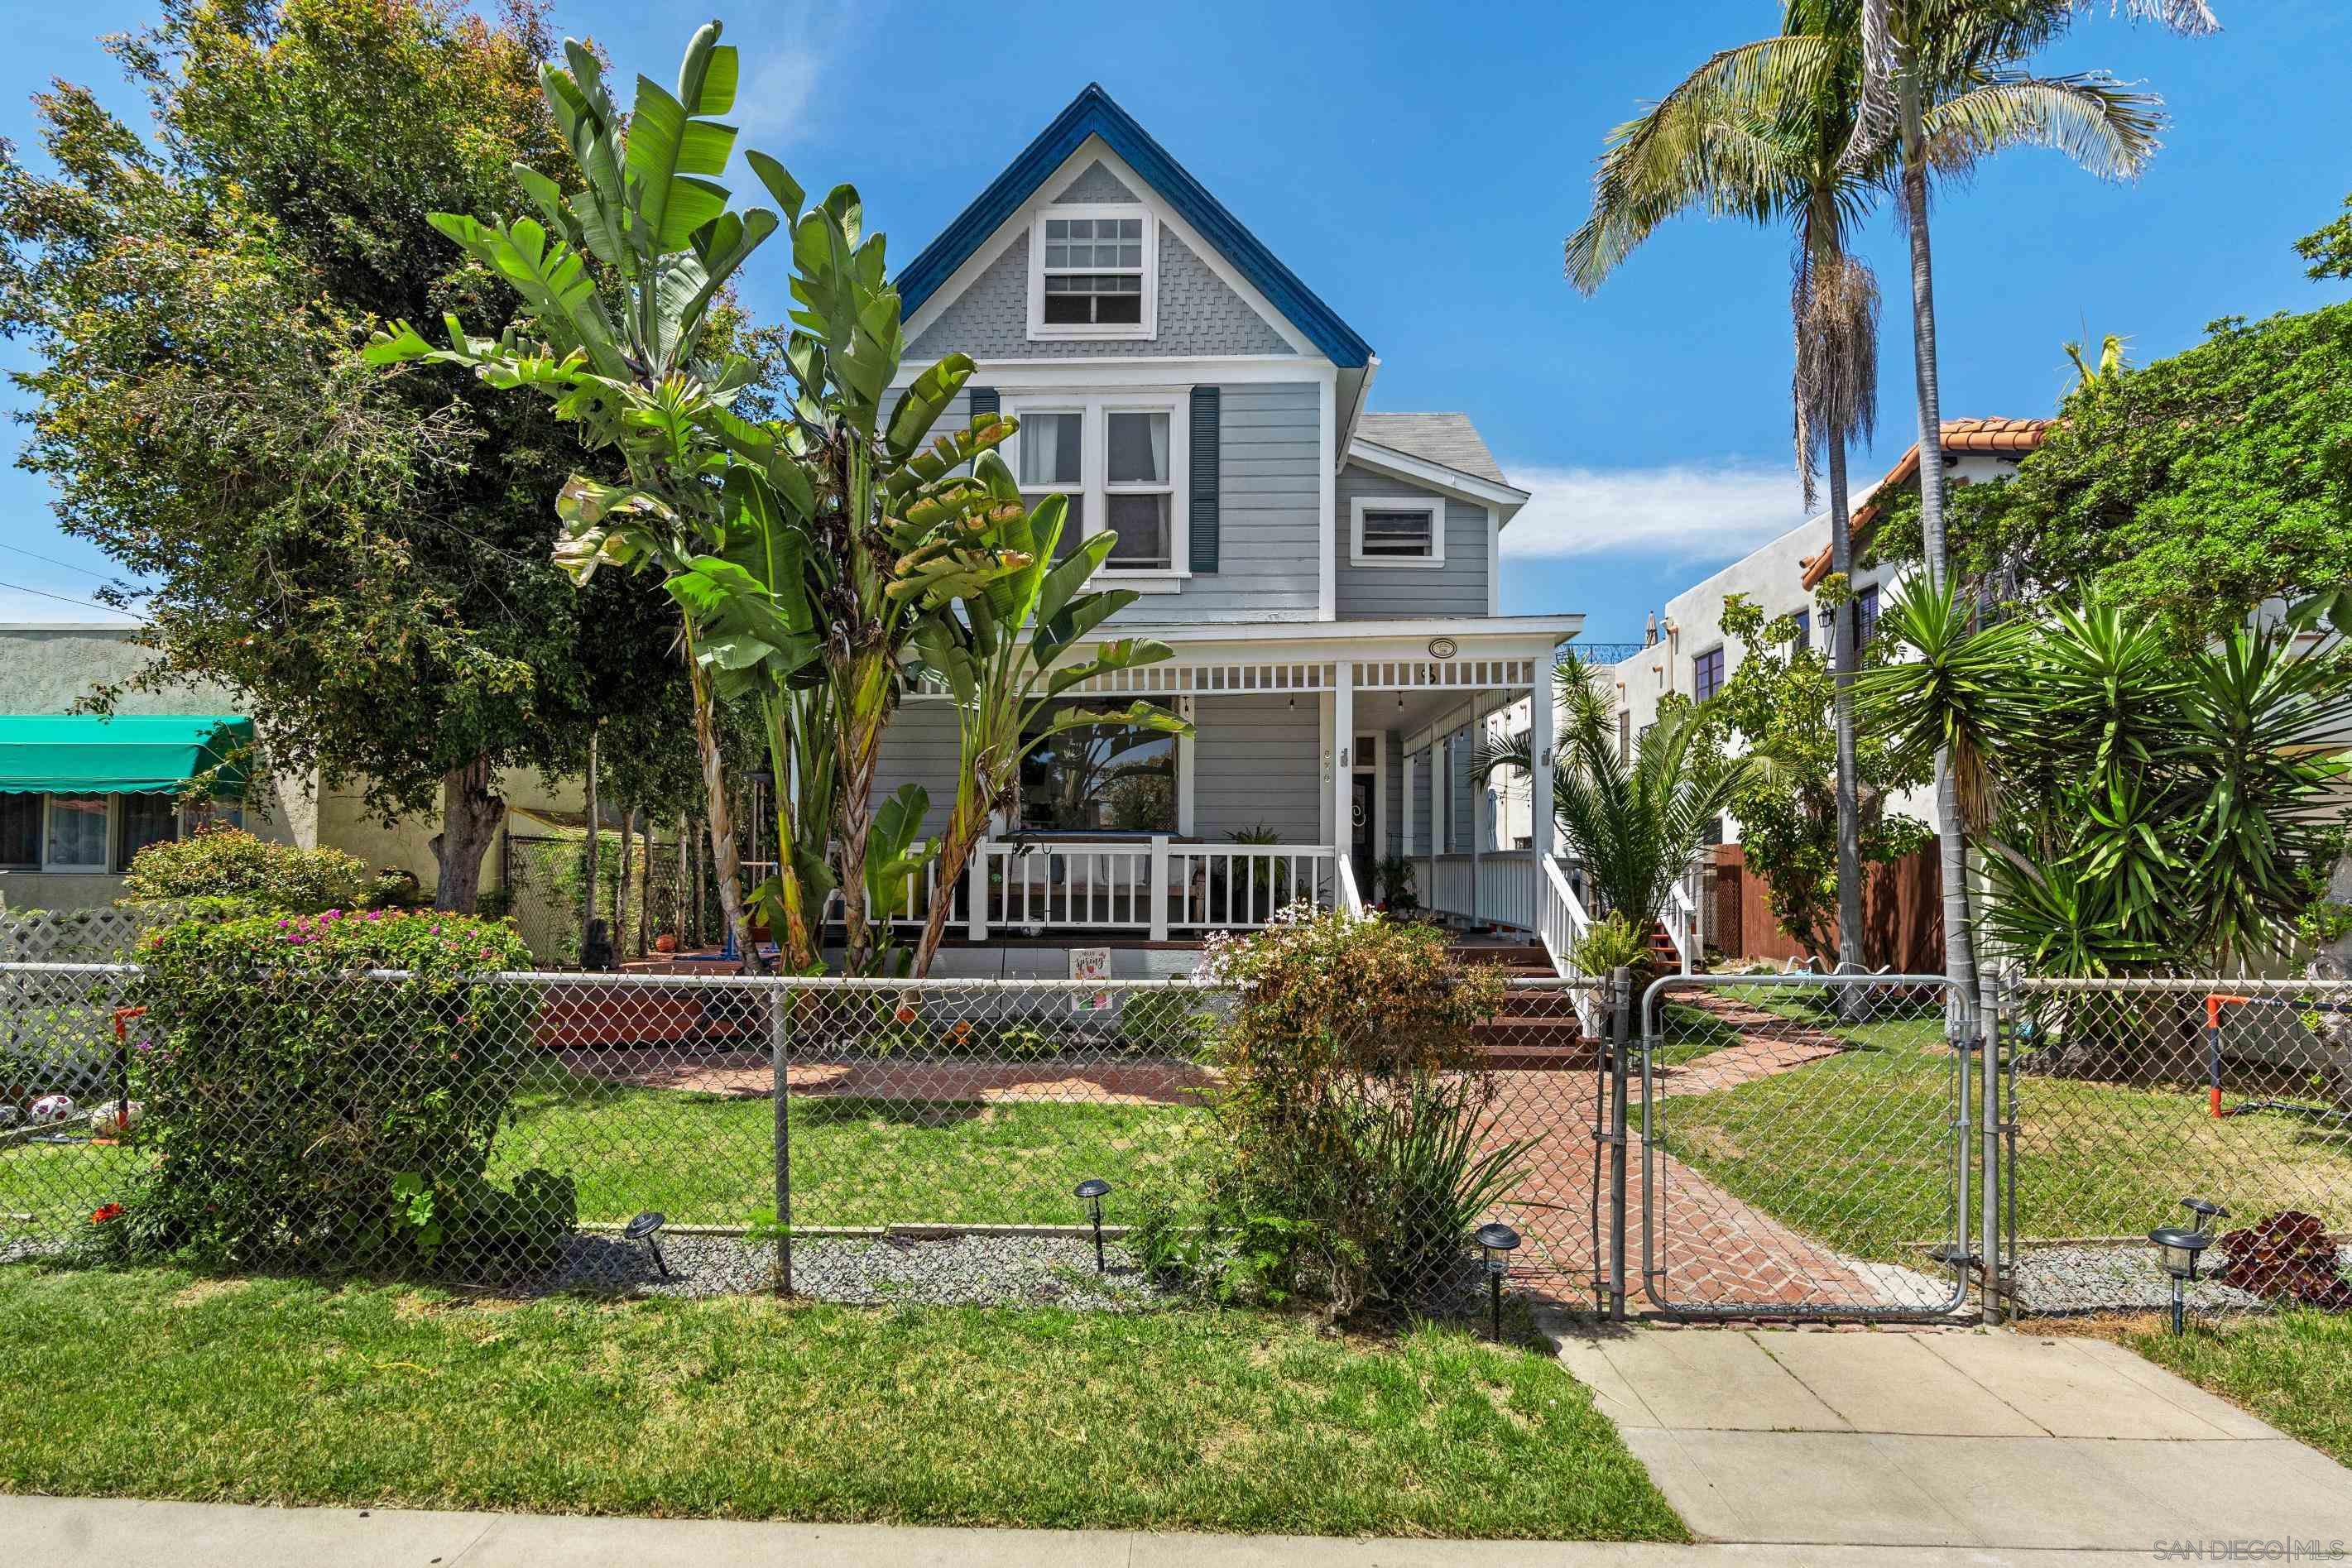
{"x": 1093, "y": 1189}
{"x": 647, "y": 1227}
{"x": 1498, "y": 1240}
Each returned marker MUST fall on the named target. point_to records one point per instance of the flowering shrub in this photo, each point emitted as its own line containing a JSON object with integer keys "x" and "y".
{"x": 297, "y": 1109}
{"x": 1344, "y": 1162}
{"x": 251, "y": 875}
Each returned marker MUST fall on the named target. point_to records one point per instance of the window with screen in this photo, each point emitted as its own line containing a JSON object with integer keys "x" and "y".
{"x": 1402, "y": 530}
{"x": 1139, "y": 489}
{"x": 78, "y": 833}
{"x": 1865, "y": 615}
{"x": 1116, "y": 460}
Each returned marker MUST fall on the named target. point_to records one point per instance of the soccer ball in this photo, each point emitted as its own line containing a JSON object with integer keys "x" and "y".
{"x": 112, "y": 1120}
{"x": 52, "y": 1108}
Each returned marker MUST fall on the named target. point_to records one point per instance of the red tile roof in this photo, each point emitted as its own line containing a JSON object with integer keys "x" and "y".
{"x": 1962, "y": 438}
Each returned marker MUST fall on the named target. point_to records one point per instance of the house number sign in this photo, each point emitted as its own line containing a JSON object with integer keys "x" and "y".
{"x": 1443, "y": 647}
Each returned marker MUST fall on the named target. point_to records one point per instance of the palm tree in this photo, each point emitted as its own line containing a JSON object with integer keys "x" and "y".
{"x": 1908, "y": 49}
{"x": 1766, "y": 132}
{"x": 1635, "y": 824}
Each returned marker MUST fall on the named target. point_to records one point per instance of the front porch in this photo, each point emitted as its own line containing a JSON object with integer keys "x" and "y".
{"x": 1330, "y": 762}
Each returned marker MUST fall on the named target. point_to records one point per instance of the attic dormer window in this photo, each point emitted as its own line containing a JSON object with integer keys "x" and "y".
{"x": 1092, "y": 272}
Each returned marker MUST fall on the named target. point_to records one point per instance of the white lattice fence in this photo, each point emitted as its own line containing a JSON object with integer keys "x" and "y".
{"x": 70, "y": 936}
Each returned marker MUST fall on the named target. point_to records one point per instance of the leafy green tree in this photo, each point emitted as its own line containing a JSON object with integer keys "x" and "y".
{"x": 1761, "y": 132}
{"x": 2194, "y": 488}
{"x": 2329, "y": 250}
{"x": 364, "y": 559}
{"x": 1000, "y": 654}
{"x": 1635, "y": 824}
{"x": 1780, "y": 700}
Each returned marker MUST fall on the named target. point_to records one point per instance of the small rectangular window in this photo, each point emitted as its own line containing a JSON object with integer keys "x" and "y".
{"x": 1865, "y": 615}
{"x": 147, "y": 820}
{"x": 1398, "y": 531}
{"x": 1707, "y": 675}
{"x": 1625, "y": 734}
{"x": 20, "y": 831}
{"x": 1804, "y": 634}
{"x": 78, "y": 835}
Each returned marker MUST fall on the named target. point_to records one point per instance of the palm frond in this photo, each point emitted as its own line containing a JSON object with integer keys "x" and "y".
{"x": 2107, "y": 128}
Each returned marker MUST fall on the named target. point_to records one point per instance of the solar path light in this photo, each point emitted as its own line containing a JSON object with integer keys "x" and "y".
{"x": 1497, "y": 1241}
{"x": 1093, "y": 1189}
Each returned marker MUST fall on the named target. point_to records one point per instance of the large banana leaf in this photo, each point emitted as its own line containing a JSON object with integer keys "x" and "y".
{"x": 670, "y": 156}
{"x": 552, "y": 279}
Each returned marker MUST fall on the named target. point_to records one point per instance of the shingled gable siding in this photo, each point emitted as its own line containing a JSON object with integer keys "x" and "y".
{"x": 1096, "y": 184}
{"x": 1257, "y": 761}
{"x": 1374, "y": 592}
{"x": 1199, "y": 314}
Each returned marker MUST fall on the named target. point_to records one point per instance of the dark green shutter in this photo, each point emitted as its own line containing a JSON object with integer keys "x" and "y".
{"x": 1205, "y": 478}
{"x": 983, "y": 401}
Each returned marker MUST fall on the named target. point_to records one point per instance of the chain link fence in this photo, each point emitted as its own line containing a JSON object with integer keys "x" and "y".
{"x": 939, "y": 1141}
{"x": 669, "y": 895}
{"x": 1806, "y": 1147}
{"x": 2127, "y": 1099}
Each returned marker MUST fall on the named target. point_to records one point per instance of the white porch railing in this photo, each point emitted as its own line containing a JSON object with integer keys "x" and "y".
{"x": 1152, "y": 886}
{"x": 1494, "y": 887}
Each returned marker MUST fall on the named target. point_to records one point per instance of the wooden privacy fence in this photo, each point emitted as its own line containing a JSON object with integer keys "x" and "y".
{"x": 1902, "y": 912}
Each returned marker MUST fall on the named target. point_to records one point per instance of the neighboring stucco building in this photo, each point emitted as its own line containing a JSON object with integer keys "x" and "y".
{"x": 69, "y": 828}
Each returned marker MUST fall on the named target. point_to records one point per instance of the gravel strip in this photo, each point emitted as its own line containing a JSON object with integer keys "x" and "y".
{"x": 2124, "y": 1279}
{"x": 1027, "y": 1271}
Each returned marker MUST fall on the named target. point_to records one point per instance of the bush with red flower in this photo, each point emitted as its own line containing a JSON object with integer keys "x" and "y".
{"x": 310, "y": 1075}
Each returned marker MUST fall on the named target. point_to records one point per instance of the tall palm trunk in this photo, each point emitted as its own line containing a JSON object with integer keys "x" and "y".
{"x": 1960, "y": 947}
{"x": 1843, "y": 661}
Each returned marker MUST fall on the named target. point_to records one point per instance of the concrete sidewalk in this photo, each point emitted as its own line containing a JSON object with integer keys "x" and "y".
{"x": 1986, "y": 1439}
{"x": 39, "y": 1532}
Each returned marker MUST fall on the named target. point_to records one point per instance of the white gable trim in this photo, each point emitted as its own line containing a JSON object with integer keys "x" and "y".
{"x": 1437, "y": 476}
{"x": 1093, "y": 150}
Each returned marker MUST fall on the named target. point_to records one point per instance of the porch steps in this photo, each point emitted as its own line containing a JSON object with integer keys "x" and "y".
{"x": 1531, "y": 1030}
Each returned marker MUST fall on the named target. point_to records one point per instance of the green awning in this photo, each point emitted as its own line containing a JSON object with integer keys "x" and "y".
{"x": 84, "y": 754}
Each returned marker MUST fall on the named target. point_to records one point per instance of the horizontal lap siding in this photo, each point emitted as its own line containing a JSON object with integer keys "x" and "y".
{"x": 1375, "y": 592}
{"x": 1257, "y": 760}
{"x": 1269, "y": 500}
{"x": 922, "y": 746}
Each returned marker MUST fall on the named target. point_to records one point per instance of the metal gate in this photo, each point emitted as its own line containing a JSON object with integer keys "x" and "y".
{"x": 1807, "y": 1145}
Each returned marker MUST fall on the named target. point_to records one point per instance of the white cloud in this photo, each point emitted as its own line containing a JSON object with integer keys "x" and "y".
{"x": 777, "y": 104}
{"x": 1682, "y": 511}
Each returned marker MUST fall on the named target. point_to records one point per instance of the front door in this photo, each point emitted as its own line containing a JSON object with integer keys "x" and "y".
{"x": 1359, "y": 834}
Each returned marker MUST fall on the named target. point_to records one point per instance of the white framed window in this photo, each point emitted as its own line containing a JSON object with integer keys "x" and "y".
{"x": 78, "y": 833}
{"x": 1397, "y": 530}
{"x": 1116, "y": 458}
{"x": 1094, "y": 271}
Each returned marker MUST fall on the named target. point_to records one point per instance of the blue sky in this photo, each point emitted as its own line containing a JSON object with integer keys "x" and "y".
{"x": 1419, "y": 167}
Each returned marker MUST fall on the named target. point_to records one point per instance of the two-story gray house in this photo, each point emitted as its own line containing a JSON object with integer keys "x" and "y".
{"x": 1327, "y": 575}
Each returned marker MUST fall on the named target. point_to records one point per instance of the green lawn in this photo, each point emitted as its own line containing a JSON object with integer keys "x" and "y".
{"x": 158, "y": 1383}
{"x": 1854, "y": 1149}
{"x": 706, "y": 1160}
{"x": 2293, "y": 1370}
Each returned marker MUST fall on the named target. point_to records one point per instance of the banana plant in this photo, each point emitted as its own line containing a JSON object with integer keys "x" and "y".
{"x": 999, "y": 655}
{"x": 802, "y": 552}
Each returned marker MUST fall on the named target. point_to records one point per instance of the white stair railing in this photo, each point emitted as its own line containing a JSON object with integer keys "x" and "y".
{"x": 1351, "y": 900}
{"x": 1681, "y": 919}
{"x": 1562, "y": 921}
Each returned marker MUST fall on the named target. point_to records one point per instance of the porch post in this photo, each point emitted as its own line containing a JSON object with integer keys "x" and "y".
{"x": 1343, "y": 765}
{"x": 1541, "y": 720}
{"x": 1476, "y": 735}
{"x": 1159, "y": 888}
{"x": 975, "y": 881}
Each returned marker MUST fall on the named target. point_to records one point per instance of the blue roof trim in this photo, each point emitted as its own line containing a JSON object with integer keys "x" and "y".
{"x": 1093, "y": 113}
